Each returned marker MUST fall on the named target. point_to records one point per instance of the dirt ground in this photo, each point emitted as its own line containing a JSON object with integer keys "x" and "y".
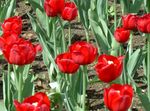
{"x": 94, "y": 91}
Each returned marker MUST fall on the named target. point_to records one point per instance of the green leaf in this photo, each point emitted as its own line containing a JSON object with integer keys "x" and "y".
{"x": 135, "y": 60}
{"x": 8, "y": 10}
{"x": 36, "y": 4}
{"x": 144, "y": 99}
{"x": 2, "y": 106}
{"x": 100, "y": 30}
{"x": 28, "y": 88}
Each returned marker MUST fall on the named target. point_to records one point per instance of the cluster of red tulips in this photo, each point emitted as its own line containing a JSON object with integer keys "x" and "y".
{"x": 67, "y": 10}
{"x": 134, "y": 23}
{"x": 80, "y": 53}
{"x": 16, "y": 50}
{"x": 19, "y": 51}
{"x": 117, "y": 97}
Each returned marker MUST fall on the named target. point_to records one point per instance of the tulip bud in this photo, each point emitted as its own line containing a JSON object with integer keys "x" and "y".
{"x": 66, "y": 64}
{"x": 143, "y": 23}
{"x": 38, "y": 102}
{"x": 129, "y": 21}
{"x": 53, "y": 7}
{"x": 70, "y": 11}
{"x": 12, "y": 25}
{"x": 121, "y": 35}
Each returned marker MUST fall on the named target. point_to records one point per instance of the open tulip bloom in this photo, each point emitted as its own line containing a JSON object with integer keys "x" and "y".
{"x": 118, "y": 97}
{"x": 37, "y": 102}
{"x": 12, "y": 25}
{"x": 66, "y": 64}
{"x": 83, "y": 53}
{"x": 109, "y": 67}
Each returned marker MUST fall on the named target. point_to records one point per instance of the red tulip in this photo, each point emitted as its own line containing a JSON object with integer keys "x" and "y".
{"x": 143, "y": 23}
{"x": 12, "y": 25}
{"x": 53, "y": 7}
{"x": 109, "y": 67}
{"x": 38, "y": 102}
{"x": 83, "y": 53}
{"x": 121, "y": 35}
{"x": 129, "y": 21}
{"x": 118, "y": 97}
{"x": 70, "y": 11}
{"x": 7, "y": 39}
{"x": 20, "y": 53}
{"x": 66, "y": 64}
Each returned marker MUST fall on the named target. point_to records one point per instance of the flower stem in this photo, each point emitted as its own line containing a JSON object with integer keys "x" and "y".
{"x": 63, "y": 35}
{"x": 115, "y": 15}
{"x": 8, "y": 86}
{"x": 69, "y": 30}
{"x": 84, "y": 87}
{"x": 54, "y": 38}
{"x": 48, "y": 28}
{"x": 148, "y": 64}
{"x": 87, "y": 35}
{"x": 20, "y": 87}
{"x": 130, "y": 44}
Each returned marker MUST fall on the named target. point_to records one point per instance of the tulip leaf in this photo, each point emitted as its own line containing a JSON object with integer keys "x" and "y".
{"x": 131, "y": 7}
{"x": 147, "y": 5}
{"x": 135, "y": 61}
{"x": 144, "y": 99}
{"x": 83, "y": 7}
{"x": 43, "y": 38}
{"x": 2, "y": 106}
{"x": 28, "y": 88}
{"x": 8, "y": 100}
{"x": 36, "y": 4}
{"x": 100, "y": 30}
{"x": 7, "y": 10}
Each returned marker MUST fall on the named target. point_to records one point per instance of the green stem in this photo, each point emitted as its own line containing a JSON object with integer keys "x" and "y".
{"x": 63, "y": 35}
{"x": 106, "y": 11}
{"x": 87, "y": 35}
{"x": 8, "y": 86}
{"x": 48, "y": 28}
{"x": 115, "y": 15}
{"x": 20, "y": 87}
{"x": 148, "y": 64}
{"x": 130, "y": 44}
{"x": 69, "y": 34}
{"x": 54, "y": 38}
{"x": 84, "y": 87}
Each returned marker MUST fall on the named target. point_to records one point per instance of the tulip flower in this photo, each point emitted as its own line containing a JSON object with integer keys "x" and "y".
{"x": 38, "y": 102}
{"x": 109, "y": 67}
{"x": 53, "y": 7}
{"x": 143, "y": 23}
{"x": 12, "y": 25}
{"x": 7, "y": 39}
{"x": 129, "y": 21}
{"x": 21, "y": 52}
{"x": 83, "y": 53}
{"x": 121, "y": 35}
{"x": 70, "y": 11}
{"x": 66, "y": 64}
{"x": 118, "y": 97}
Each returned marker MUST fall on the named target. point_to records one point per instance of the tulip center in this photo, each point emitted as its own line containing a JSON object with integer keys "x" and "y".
{"x": 35, "y": 104}
{"x": 110, "y": 62}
